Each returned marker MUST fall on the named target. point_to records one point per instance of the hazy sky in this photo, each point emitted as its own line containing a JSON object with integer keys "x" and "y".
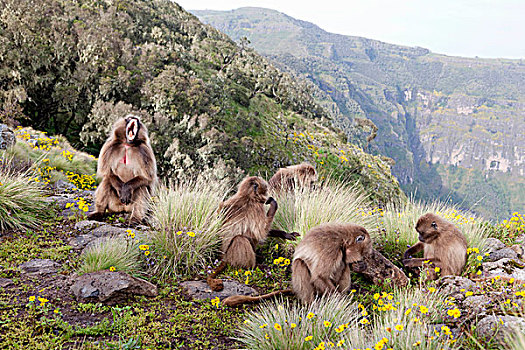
{"x": 484, "y": 28}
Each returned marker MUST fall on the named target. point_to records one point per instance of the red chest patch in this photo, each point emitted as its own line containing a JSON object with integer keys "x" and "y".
{"x": 124, "y": 159}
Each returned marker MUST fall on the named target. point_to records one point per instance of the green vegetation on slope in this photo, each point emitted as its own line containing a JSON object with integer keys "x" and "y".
{"x": 428, "y": 108}
{"x": 211, "y": 106}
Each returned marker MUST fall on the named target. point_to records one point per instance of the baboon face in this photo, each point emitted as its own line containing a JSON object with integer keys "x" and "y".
{"x": 308, "y": 176}
{"x": 428, "y": 228}
{"x": 255, "y": 187}
{"x": 357, "y": 245}
{"x": 132, "y": 128}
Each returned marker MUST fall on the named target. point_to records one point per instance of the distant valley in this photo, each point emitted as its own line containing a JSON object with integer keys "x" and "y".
{"x": 454, "y": 126}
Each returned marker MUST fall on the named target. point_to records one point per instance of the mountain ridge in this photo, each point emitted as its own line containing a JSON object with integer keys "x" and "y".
{"x": 432, "y": 111}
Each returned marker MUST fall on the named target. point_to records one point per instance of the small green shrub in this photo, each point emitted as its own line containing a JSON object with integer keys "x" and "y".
{"x": 22, "y": 202}
{"x": 115, "y": 254}
{"x": 187, "y": 225}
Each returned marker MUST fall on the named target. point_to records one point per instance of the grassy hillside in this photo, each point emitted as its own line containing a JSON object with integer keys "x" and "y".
{"x": 212, "y": 106}
{"x": 429, "y": 109}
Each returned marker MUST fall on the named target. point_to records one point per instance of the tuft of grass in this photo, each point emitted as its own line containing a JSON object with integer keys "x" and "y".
{"x": 118, "y": 252}
{"x": 399, "y": 222}
{"x": 329, "y": 201}
{"x": 288, "y": 324}
{"x": 187, "y": 225}
{"x": 22, "y": 202}
{"x": 405, "y": 319}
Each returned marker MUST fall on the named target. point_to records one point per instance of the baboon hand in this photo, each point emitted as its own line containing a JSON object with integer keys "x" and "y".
{"x": 292, "y": 236}
{"x": 125, "y": 194}
{"x": 359, "y": 266}
{"x": 408, "y": 262}
{"x": 269, "y": 200}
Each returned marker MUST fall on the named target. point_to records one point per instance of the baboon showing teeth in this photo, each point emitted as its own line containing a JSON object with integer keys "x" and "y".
{"x": 292, "y": 177}
{"x": 443, "y": 246}
{"x": 246, "y": 224}
{"x": 321, "y": 263}
{"x": 128, "y": 170}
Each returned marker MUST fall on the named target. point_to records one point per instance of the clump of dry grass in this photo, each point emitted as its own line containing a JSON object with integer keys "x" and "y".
{"x": 187, "y": 226}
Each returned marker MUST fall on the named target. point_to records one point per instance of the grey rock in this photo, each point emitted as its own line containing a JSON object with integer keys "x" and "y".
{"x": 201, "y": 290}
{"x": 7, "y": 137}
{"x": 508, "y": 253}
{"x": 504, "y": 268}
{"x": 110, "y": 287}
{"x": 62, "y": 186}
{"x": 38, "y": 267}
{"x": 493, "y": 244}
{"x": 500, "y": 327}
{"x": 109, "y": 230}
{"x": 452, "y": 285}
{"x": 87, "y": 224}
{"x": 81, "y": 242}
{"x": 477, "y": 305}
{"x": 5, "y": 282}
{"x": 518, "y": 249}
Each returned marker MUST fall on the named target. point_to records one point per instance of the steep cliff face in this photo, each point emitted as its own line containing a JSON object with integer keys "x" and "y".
{"x": 432, "y": 111}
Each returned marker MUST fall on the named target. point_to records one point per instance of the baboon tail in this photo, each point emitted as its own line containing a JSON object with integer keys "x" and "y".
{"x": 236, "y": 300}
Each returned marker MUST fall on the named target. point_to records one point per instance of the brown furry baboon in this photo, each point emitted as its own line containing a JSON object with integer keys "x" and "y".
{"x": 294, "y": 176}
{"x": 246, "y": 224}
{"x": 321, "y": 262}
{"x": 128, "y": 170}
{"x": 443, "y": 246}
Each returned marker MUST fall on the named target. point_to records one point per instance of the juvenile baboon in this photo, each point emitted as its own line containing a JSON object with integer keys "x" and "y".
{"x": 246, "y": 224}
{"x": 321, "y": 263}
{"x": 128, "y": 170}
{"x": 443, "y": 246}
{"x": 294, "y": 176}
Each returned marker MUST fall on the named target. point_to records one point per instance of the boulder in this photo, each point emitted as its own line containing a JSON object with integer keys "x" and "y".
{"x": 452, "y": 286}
{"x": 110, "y": 287}
{"x": 81, "y": 242}
{"x": 477, "y": 305}
{"x": 7, "y": 137}
{"x": 106, "y": 230}
{"x": 500, "y": 327}
{"x": 201, "y": 290}
{"x": 505, "y": 267}
{"x": 87, "y": 225}
{"x": 493, "y": 244}
{"x": 39, "y": 267}
{"x": 505, "y": 253}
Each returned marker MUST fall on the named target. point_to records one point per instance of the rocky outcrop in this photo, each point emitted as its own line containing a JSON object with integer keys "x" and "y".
{"x": 110, "y": 287}
{"x": 39, "y": 267}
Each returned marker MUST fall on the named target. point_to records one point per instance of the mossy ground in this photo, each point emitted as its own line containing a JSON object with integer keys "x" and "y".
{"x": 169, "y": 321}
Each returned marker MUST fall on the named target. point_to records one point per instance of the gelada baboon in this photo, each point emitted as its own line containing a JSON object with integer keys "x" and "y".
{"x": 246, "y": 224}
{"x": 294, "y": 176}
{"x": 443, "y": 246}
{"x": 128, "y": 170}
{"x": 321, "y": 263}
